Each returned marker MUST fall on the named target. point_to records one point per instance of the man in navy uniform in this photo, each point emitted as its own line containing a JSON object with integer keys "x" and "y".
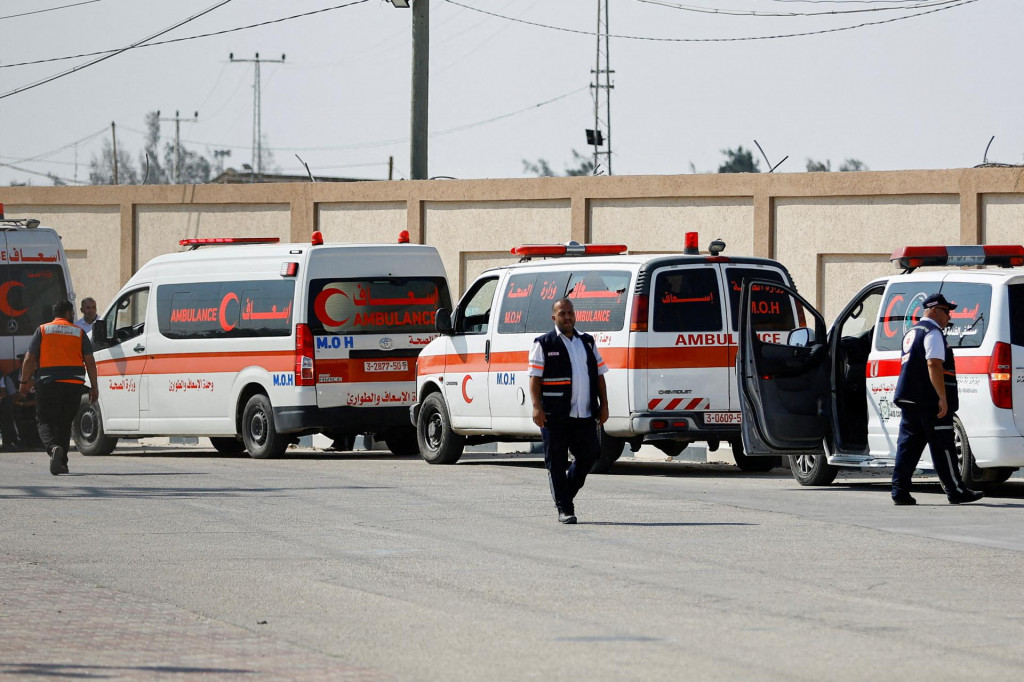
{"x": 569, "y": 402}
{"x": 926, "y": 393}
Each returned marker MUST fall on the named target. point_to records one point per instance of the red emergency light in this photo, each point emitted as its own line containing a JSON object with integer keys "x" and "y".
{"x": 570, "y": 249}
{"x": 403, "y": 237}
{"x": 1003, "y": 255}
{"x": 317, "y": 239}
{"x": 209, "y": 241}
{"x": 1, "y": 211}
{"x": 691, "y": 244}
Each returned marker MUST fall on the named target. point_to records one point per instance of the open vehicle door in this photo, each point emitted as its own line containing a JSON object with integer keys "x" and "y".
{"x": 783, "y": 371}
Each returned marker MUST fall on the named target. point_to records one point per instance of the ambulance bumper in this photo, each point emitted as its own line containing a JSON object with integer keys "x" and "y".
{"x": 688, "y": 426}
{"x": 310, "y": 418}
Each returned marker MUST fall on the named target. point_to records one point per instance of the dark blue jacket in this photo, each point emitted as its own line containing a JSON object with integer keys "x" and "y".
{"x": 914, "y": 386}
{"x": 556, "y": 382}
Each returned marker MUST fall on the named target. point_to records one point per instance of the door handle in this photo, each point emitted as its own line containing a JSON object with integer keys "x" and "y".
{"x": 139, "y": 348}
{"x": 487, "y": 350}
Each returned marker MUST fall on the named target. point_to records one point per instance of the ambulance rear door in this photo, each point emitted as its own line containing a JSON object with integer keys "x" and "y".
{"x": 688, "y": 344}
{"x": 1015, "y": 295}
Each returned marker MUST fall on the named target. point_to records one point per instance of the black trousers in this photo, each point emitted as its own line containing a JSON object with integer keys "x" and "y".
{"x": 920, "y": 427}
{"x": 562, "y": 436}
{"x": 56, "y": 405}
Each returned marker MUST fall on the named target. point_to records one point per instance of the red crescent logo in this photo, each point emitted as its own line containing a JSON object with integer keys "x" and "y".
{"x": 5, "y": 305}
{"x": 888, "y": 314}
{"x": 224, "y": 309}
{"x": 465, "y": 396}
{"x": 320, "y": 307}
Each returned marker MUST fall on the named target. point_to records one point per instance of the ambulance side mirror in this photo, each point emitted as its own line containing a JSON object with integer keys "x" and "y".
{"x": 799, "y": 337}
{"x": 443, "y": 322}
{"x": 99, "y": 333}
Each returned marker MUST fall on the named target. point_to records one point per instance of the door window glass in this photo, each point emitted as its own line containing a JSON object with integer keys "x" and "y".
{"x": 902, "y": 309}
{"x": 773, "y": 302}
{"x": 969, "y": 322}
{"x": 475, "y": 308}
{"x": 127, "y": 318}
{"x": 1016, "y": 314}
{"x": 202, "y": 310}
{"x": 863, "y": 316}
{"x": 687, "y": 300}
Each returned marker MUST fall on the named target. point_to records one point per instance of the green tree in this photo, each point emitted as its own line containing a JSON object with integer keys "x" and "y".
{"x": 584, "y": 165}
{"x": 818, "y": 166}
{"x": 101, "y": 168}
{"x": 739, "y": 160}
{"x": 853, "y": 165}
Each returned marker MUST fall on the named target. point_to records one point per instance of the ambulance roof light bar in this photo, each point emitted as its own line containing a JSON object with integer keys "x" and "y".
{"x": 912, "y": 257}
{"x": 571, "y": 248}
{"x": 30, "y": 223}
{"x": 209, "y": 241}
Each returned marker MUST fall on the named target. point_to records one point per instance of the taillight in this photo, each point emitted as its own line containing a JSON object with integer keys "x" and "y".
{"x": 638, "y": 319}
{"x": 304, "y": 370}
{"x": 1000, "y": 377}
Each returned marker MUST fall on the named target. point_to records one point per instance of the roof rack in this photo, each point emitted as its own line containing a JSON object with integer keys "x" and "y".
{"x": 194, "y": 244}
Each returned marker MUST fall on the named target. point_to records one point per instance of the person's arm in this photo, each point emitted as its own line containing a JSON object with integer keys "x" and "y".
{"x": 28, "y": 368}
{"x": 938, "y": 383}
{"x": 538, "y": 409}
{"x": 602, "y": 394}
{"x": 90, "y": 367}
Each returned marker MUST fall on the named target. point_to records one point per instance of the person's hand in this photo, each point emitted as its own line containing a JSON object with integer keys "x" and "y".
{"x": 538, "y": 416}
{"x": 602, "y": 416}
{"x": 94, "y": 394}
{"x": 942, "y": 408}
{"x": 23, "y": 389}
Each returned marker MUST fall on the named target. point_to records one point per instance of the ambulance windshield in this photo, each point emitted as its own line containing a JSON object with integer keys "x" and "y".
{"x": 27, "y": 296}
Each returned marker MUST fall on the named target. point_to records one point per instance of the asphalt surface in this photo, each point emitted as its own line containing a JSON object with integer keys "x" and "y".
{"x": 177, "y": 563}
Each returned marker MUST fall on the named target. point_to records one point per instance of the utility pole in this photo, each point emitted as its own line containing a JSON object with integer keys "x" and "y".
{"x": 177, "y": 140}
{"x": 602, "y": 87}
{"x": 420, "y": 80}
{"x": 257, "y": 116}
{"x": 113, "y": 134}
{"x": 219, "y": 155}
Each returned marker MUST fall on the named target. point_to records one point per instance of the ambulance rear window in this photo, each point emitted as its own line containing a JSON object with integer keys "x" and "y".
{"x": 687, "y": 300}
{"x": 1016, "y": 314}
{"x": 383, "y": 305}
{"x": 772, "y": 308}
{"x": 901, "y": 309}
{"x": 27, "y": 297}
{"x": 202, "y": 310}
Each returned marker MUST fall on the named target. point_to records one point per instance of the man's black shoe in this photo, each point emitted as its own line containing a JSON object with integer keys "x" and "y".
{"x": 903, "y": 500}
{"x": 566, "y": 518}
{"x": 58, "y": 465}
{"x": 966, "y": 497}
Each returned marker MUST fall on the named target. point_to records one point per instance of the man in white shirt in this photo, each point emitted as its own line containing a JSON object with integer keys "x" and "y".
{"x": 570, "y": 402}
{"x": 88, "y": 314}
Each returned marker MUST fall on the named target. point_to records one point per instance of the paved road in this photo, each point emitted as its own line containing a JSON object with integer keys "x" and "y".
{"x": 175, "y": 563}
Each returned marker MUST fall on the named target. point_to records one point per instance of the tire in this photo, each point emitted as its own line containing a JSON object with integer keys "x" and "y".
{"x": 227, "y": 445}
{"x": 812, "y": 470}
{"x": 403, "y": 441}
{"x": 752, "y": 464}
{"x": 610, "y": 451}
{"x": 970, "y": 472}
{"x": 438, "y": 444}
{"x": 259, "y": 433}
{"x": 87, "y": 430}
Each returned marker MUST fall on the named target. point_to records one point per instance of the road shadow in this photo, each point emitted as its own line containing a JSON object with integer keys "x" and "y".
{"x": 55, "y": 492}
{"x": 660, "y": 524}
{"x": 71, "y": 670}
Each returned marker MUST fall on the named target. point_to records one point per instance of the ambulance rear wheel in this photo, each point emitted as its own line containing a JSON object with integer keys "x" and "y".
{"x": 259, "y": 433}
{"x": 87, "y": 430}
{"x": 750, "y": 463}
{"x": 402, "y": 441}
{"x": 437, "y": 442}
{"x": 812, "y": 470}
{"x": 611, "y": 450}
{"x": 227, "y": 446}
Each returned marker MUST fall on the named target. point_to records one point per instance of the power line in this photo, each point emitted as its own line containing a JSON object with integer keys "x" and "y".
{"x": 958, "y": 3}
{"x": 195, "y": 37}
{"x": 757, "y": 13}
{"x": 45, "y": 175}
{"x": 80, "y": 67}
{"x": 51, "y": 9}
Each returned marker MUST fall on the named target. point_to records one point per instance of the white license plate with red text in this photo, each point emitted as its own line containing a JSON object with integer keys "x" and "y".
{"x": 386, "y": 365}
{"x": 722, "y": 418}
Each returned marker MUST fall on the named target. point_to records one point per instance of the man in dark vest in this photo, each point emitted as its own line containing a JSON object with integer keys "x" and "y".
{"x": 58, "y": 357}
{"x": 569, "y": 402}
{"x": 926, "y": 393}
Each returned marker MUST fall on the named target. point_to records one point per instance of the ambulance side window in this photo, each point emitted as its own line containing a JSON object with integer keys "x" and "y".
{"x": 515, "y": 303}
{"x": 687, "y": 301}
{"x": 475, "y": 309}
{"x": 900, "y": 310}
{"x": 127, "y": 318}
{"x": 599, "y": 298}
{"x": 549, "y": 287}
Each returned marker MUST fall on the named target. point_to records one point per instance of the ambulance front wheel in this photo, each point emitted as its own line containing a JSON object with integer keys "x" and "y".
{"x": 970, "y": 472}
{"x": 259, "y": 433}
{"x": 812, "y": 470}
{"x": 438, "y": 443}
{"x": 87, "y": 430}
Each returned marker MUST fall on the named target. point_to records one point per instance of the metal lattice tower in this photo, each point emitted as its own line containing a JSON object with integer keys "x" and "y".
{"x": 257, "y": 114}
{"x": 602, "y": 88}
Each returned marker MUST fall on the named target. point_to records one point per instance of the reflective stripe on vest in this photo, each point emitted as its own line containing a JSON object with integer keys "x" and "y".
{"x": 60, "y": 353}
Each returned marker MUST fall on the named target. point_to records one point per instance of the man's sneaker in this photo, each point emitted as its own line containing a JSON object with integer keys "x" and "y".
{"x": 903, "y": 500}
{"x": 966, "y": 497}
{"x": 566, "y": 518}
{"x": 58, "y": 465}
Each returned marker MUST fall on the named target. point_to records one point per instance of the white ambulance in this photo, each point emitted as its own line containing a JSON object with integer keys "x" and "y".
{"x": 664, "y": 324}
{"x": 253, "y": 344}
{"x": 33, "y": 276}
{"x": 825, "y": 396}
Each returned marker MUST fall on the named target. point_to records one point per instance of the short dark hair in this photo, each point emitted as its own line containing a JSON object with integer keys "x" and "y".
{"x": 62, "y": 307}
{"x": 562, "y": 300}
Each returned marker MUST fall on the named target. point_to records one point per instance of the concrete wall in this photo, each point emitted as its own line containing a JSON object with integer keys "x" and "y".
{"x": 834, "y": 231}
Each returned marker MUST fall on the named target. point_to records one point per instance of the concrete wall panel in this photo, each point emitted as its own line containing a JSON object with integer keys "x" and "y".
{"x": 843, "y": 275}
{"x": 810, "y": 229}
{"x": 659, "y": 224}
{"x": 91, "y": 235}
{"x": 364, "y": 222}
{"x": 1002, "y": 219}
{"x": 461, "y": 229}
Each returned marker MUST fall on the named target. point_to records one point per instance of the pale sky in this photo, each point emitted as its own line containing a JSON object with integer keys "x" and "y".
{"x": 923, "y": 92}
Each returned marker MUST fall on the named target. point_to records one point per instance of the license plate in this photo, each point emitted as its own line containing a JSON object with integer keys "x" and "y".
{"x": 722, "y": 417}
{"x": 386, "y": 365}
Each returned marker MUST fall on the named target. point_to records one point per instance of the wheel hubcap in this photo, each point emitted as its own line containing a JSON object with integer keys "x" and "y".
{"x": 88, "y": 424}
{"x": 805, "y": 463}
{"x": 258, "y": 428}
{"x": 434, "y": 431}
